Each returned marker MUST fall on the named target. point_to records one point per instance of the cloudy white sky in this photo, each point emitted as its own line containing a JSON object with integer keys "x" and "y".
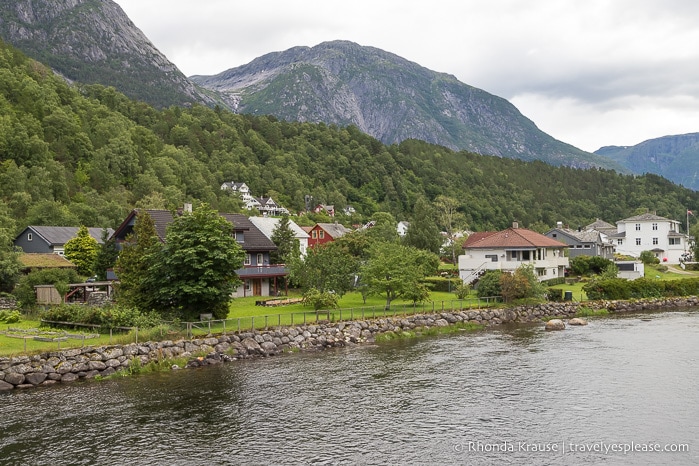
{"x": 590, "y": 73}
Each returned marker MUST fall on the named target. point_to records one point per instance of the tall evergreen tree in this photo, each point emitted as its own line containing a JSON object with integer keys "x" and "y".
{"x": 134, "y": 262}
{"x": 107, "y": 254}
{"x": 288, "y": 247}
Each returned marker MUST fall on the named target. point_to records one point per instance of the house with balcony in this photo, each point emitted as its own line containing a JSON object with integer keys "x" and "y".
{"x": 509, "y": 249}
{"x": 259, "y": 277}
{"x": 651, "y": 232}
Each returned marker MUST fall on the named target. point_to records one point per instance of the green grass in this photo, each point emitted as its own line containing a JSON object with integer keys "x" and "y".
{"x": 584, "y": 311}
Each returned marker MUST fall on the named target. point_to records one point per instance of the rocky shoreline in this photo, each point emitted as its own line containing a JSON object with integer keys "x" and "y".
{"x": 89, "y": 362}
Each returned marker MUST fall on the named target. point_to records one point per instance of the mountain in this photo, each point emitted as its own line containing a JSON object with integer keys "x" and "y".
{"x": 93, "y": 41}
{"x": 673, "y": 157}
{"x": 390, "y": 98}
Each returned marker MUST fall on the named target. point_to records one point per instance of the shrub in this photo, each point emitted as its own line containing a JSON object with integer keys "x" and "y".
{"x": 489, "y": 284}
{"x": 107, "y": 316}
{"x": 10, "y": 317}
{"x": 554, "y": 294}
{"x": 320, "y": 299}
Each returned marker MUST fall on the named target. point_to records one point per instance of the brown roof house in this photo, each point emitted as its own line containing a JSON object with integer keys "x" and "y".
{"x": 508, "y": 249}
{"x": 260, "y": 278}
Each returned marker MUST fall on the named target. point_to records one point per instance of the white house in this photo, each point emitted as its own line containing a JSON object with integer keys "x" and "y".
{"x": 267, "y": 225}
{"x": 402, "y": 228}
{"x": 650, "y": 232}
{"x": 507, "y": 250}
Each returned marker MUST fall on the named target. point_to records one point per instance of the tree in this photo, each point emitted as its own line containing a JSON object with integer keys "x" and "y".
{"x": 384, "y": 229}
{"x": 10, "y": 265}
{"x": 138, "y": 252}
{"x": 195, "y": 270}
{"x": 326, "y": 267}
{"x": 82, "y": 251}
{"x": 107, "y": 254}
{"x": 648, "y": 258}
{"x": 288, "y": 247}
{"x": 423, "y": 232}
{"x": 522, "y": 283}
{"x": 489, "y": 284}
{"x": 451, "y": 220}
{"x": 394, "y": 270}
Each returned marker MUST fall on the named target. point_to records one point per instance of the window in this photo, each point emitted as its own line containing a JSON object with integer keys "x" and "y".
{"x": 655, "y": 240}
{"x": 554, "y": 235}
{"x": 638, "y": 241}
{"x": 638, "y": 227}
{"x": 655, "y": 227}
{"x": 260, "y": 259}
{"x": 314, "y": 234}
{"x": 248, "y": 260}
{"x": 674, "y": 241}
{"x": 578, "y": 246}
{"x": 587, "y": 246}
{"x": 29, "y": 237}
{"x": 619, "y": 242}
{"x": 240, "y": 236}
{"x": 248, "y": 285}
{"x": 321, "y": 234}
{"x": 492, "y": 257}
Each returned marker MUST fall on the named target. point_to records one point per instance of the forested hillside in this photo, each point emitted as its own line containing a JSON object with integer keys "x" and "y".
{"x": 87, "y": 155}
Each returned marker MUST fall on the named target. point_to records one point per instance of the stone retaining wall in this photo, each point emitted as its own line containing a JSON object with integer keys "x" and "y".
{"x": 89, "y": 362}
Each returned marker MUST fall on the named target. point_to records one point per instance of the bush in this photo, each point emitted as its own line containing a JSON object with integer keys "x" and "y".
{"x": 10, "y": 317}
{"x": 107, "y": 316}
{"x": 320, "y": 300}
{"x": 489, "y": 284}
{"x": 24, "y": 292}
{"x": 444, "y": 284}
{"x": 554, "y": 294}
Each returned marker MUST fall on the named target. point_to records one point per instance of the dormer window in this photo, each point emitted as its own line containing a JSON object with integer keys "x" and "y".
{"x": 240, "y": 236}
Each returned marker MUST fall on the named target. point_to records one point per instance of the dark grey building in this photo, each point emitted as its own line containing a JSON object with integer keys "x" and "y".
{"x": 583, "y": 243}
{"x": 51, "y": 240}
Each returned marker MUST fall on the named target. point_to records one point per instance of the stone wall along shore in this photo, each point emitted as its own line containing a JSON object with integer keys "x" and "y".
{"x": 89, "y": 362}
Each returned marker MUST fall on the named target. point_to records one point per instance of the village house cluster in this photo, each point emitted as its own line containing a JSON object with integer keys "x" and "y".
{"x": 549, "y": 254}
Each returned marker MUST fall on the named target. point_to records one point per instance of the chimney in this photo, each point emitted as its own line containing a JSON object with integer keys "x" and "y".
{"x": 515, "y": 225}
{"x": 188, "y": 207}
{"x": 559, "y": 224}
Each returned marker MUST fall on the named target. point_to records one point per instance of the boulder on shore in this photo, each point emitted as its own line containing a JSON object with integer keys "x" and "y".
{"x": 577, "y": 321}
{"x": 555, "y": 324}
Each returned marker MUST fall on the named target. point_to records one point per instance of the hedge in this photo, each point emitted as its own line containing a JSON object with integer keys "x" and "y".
{"x": 619, "y": 288}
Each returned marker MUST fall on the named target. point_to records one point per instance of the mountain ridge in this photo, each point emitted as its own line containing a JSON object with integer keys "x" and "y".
{"x": 390, "y": 98}
{"x": 67, "y": 34}
{"x": 675, "y": 157}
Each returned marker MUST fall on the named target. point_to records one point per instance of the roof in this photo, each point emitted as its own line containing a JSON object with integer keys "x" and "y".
{"x": 267, "y": 225}
{"x": 600, "y": 225}
{"x": 583, "y": 236}
{"x": 513, "y": 238}
{"x": 477, "y": 236}
{"x": 45, "y": 261}
{"x": 61, "y": 235}
{"x": 335, "y": 230}
{"x": 255, "y": 240}
{"x": 645, "y": 217}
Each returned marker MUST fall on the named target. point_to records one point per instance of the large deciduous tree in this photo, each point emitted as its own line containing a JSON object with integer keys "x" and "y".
{"x": 396, "y": 271}
{"x": 82, "y": 251}
{"x": 195, "y": 270}
{"x": 326, "y": 268}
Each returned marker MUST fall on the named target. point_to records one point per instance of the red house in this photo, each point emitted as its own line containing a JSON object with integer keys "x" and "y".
{"x": 323, "y": 233}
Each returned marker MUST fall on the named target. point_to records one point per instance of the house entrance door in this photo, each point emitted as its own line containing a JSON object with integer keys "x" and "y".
{"x": 257, "y": 287}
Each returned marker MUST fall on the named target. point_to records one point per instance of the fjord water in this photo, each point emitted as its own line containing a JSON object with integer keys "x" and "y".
{"x": 499, "y": 396}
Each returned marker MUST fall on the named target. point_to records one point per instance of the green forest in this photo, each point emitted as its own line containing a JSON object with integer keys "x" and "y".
{"x": 74, "y": 154}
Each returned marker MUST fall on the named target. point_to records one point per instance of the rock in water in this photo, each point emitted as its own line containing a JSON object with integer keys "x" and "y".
{"x": 555, "y": 324}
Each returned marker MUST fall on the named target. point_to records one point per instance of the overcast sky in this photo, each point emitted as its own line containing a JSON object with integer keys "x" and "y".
{"x": 590, "y": 73}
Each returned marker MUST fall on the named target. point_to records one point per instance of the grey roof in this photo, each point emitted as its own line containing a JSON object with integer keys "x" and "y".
{"x": 335, "y": 230}
{"x": 267, "y": 225}
{"x": 255, "y": 240}
{"x": 644, "y": 217}
{"x": 59, "y": 236}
